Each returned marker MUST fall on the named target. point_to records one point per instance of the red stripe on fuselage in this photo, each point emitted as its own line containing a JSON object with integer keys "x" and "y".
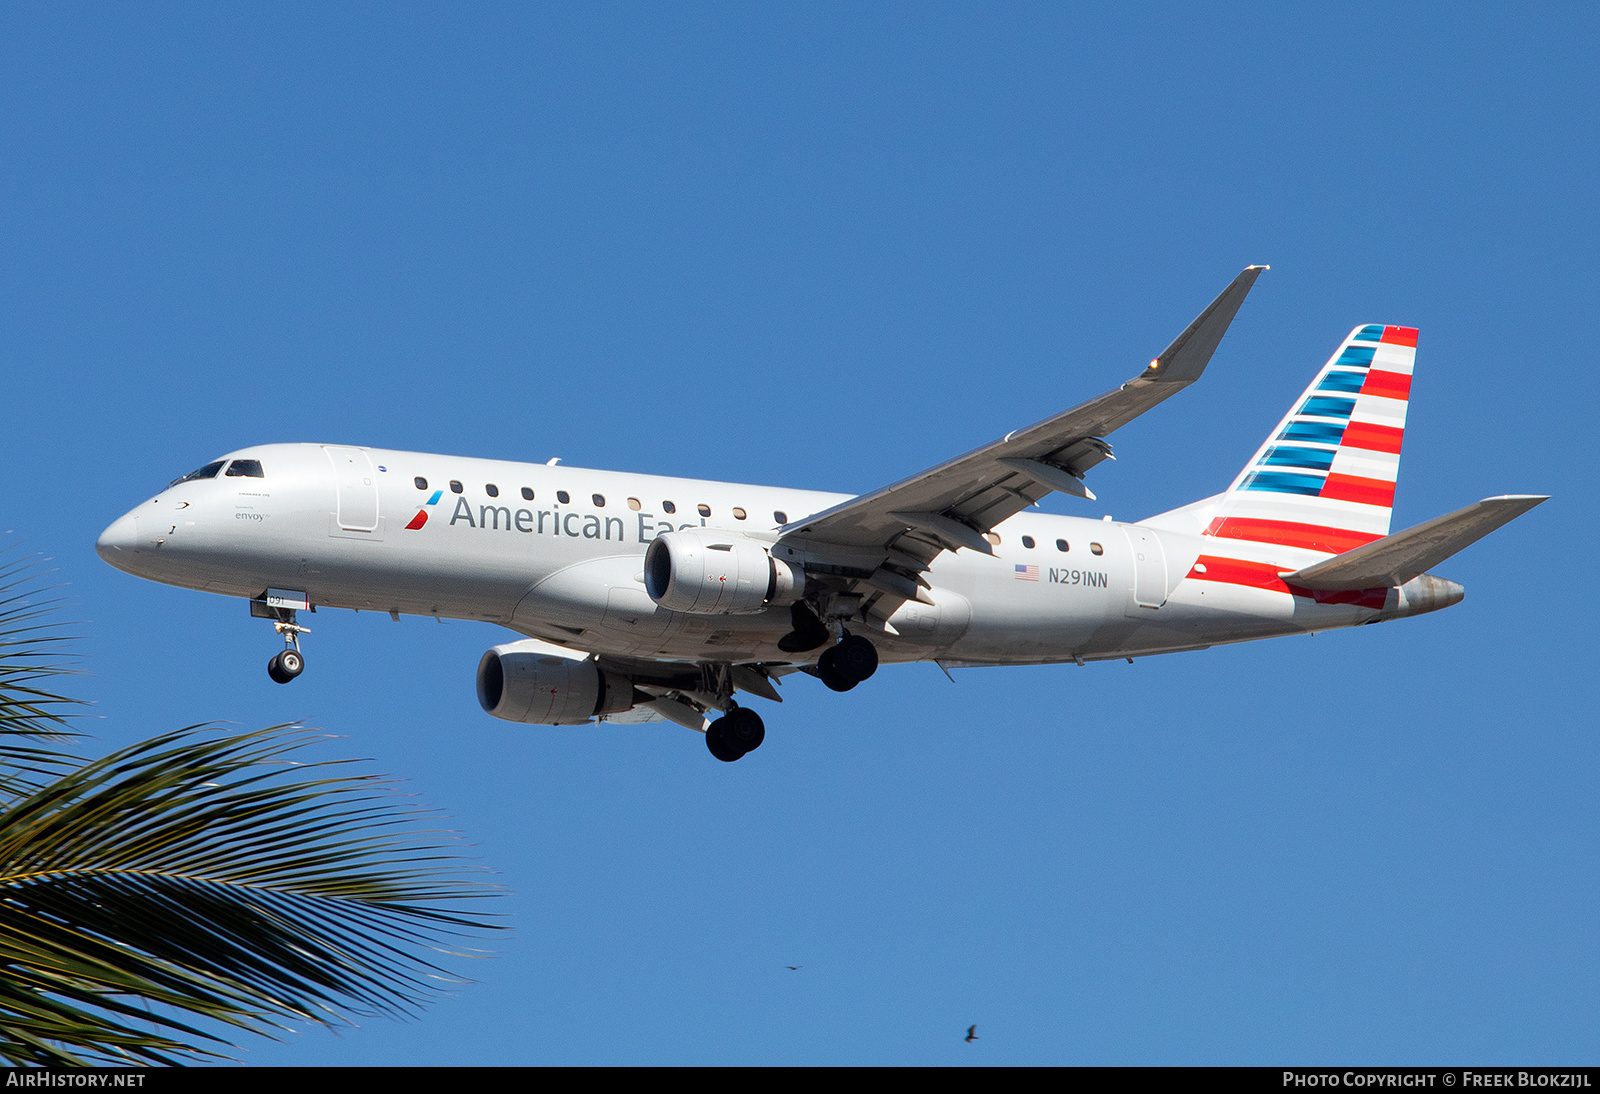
{"x": 1361, "y": 598}
{"x": 418, "y": 521}
{"x": 1372, "y": 437}
{"x": 1235, "y": 571}
{"x": 1262, "y": 575}
{"x": 1389, "y": 385}
{"x": 1288, "y": 533}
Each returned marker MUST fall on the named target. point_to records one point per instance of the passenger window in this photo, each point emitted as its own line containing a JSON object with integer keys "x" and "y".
{"x": 599, "y": 501}
{"x": 633, "y": 503}
{"x": 1027, "y": 541}
{"x": 1061, "y": 545}
{"x": 668, "y": 507}
{"x": 422, "y": 483}
{"x": 492, "y": 490}
{"x": 738, "y": 514}
{"x": 455, "y": 487}
{"x": 1096, "y": 549}
{"x": 563, "y": 497}
{"x": 992, "y": 538}
{"x": 527, "y": 493}
{"x": 209, "y": 471}
{"x": 780, "y": 516}
{"x": 705, "y": 510}
{"x": 245, "y": 469}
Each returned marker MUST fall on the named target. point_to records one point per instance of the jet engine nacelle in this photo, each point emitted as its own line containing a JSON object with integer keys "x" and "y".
{"x": 519, "y": 683}
{"x": 718, "y": 573}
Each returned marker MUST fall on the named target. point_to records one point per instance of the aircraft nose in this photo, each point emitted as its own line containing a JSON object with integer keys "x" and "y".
{"x": 118, "y": 543}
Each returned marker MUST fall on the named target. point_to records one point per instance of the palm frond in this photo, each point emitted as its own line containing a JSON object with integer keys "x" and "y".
{"x": 216, "y": 877}
{"x": 32, "y": 653}
{"x": 31, "y": 650}
{"x": 196, "y": 883}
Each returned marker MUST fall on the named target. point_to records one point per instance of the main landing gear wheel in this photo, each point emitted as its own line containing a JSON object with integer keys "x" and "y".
{"x": 735, "y": 733}
{"x": 829, "y": 672}
{"x": 857, "y": 657}
{"x": 844, "y": 666}
{"x": 286, "y": 666}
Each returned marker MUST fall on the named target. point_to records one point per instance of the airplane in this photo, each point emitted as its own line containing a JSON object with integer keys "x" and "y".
{"x": 643, "y": 598}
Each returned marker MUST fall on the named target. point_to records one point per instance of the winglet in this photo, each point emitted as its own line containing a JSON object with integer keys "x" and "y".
{"x": 1190, "y": 352}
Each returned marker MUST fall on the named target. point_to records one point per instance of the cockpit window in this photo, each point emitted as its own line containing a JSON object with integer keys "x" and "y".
{"x": 245, "y": 469}
{"x": 209, "y": 471}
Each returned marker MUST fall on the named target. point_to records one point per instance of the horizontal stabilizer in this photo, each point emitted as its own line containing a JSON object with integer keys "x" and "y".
{"x": 1395, "y": 560}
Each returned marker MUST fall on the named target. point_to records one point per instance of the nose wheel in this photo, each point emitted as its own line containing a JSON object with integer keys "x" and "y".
{"x": 288, "y": 664}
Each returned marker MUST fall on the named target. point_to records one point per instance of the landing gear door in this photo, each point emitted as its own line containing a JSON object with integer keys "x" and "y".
{"x": 1149, "y": 569}
{"x": 358, "y": 488}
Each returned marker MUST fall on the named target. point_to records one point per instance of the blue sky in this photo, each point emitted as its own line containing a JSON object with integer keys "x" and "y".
{"x": 826, "y": 247}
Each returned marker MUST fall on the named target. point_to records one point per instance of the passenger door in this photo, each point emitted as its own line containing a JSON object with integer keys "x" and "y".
{"x": 1149, "y": 569}
{"x": 358, "y": 488}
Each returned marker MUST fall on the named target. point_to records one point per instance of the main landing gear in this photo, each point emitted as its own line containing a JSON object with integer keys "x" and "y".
{"x": 735, "y": 733}
{"x": 845, "y": 665}
{"x": 290, "y": 663}
{"x": 809, "y": 632}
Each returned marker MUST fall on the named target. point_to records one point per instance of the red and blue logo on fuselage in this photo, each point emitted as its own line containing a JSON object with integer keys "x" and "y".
{"x": 422, "y": 514}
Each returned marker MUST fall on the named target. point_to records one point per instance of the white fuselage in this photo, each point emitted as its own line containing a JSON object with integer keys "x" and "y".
{"x": 344, "y": 525}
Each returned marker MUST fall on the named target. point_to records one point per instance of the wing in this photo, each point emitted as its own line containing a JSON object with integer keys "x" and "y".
{"x": 887, "y": 538}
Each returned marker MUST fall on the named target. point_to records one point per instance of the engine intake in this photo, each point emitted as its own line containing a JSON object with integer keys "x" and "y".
{"x": 718, "y": 573}
{"x": 520, "y": 683}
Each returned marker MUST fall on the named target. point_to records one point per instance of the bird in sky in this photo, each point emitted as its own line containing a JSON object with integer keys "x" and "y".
{"x": 972, "y": 1034}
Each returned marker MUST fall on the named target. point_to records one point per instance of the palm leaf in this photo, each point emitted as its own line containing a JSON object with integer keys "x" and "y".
{"x": 156, "y": 901}
{"x": 218, "y": 877}
{"x": 31, "y": 654}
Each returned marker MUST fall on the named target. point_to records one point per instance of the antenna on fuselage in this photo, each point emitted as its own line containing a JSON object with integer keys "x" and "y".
{"x": 552, "y": 461}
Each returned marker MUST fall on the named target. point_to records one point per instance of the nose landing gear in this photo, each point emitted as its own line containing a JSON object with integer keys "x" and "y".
{"x": 279, "y": 606}
{"x": 288, "y": 664}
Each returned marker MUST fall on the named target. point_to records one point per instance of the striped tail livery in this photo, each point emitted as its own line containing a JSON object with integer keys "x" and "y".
{"x": 1324, "y": 480}
{"x": 1309, "y": 515}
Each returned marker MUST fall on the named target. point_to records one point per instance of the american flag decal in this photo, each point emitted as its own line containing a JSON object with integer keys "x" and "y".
{"x": 1027, "y": 573}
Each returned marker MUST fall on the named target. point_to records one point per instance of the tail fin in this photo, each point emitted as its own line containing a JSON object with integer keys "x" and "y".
{"x": 1324, "y": 480}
